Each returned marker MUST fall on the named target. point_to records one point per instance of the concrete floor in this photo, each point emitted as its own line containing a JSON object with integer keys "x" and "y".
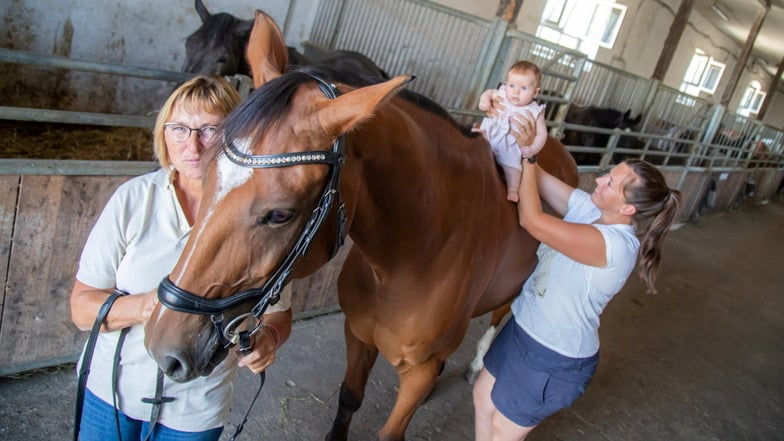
{"x": 702, "y": 360}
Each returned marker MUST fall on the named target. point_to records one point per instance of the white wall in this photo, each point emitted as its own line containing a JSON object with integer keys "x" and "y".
{"x": 143, "y": 33}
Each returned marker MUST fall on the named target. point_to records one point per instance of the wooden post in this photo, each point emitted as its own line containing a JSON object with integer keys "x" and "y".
{"x": 737, "y": 70}
{"x": 774, "y": 85}
{"x": 679, "y": 23}
{"x": 508, "y": 10}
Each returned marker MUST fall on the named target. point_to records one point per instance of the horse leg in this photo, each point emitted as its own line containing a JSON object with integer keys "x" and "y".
{"x": 416, "y": 383}
{"x": 360, "y": 358}
{"x": 484, "y": 343}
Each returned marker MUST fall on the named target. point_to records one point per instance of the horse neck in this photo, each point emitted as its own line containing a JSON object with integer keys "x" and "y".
{"x": 416, "y": 182}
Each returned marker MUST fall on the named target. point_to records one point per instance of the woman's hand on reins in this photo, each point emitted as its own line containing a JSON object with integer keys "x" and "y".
{"x": 263, "y": 353}
{"x": 270, "y": 336}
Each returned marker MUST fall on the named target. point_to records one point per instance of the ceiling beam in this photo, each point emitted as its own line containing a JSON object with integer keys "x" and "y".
{"x": 743, "y": 58}
{"x": 679, "y": 23}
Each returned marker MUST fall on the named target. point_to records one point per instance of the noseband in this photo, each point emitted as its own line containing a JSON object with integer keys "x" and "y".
{"x": 178, "y": 299}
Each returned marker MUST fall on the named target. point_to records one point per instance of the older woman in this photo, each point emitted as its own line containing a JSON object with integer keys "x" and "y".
{"x": 134, "y": 244}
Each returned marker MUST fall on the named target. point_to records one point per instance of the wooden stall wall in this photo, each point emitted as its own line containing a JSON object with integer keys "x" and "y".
{"x": 52, "y": 216}
{"x": 44, "y": 222}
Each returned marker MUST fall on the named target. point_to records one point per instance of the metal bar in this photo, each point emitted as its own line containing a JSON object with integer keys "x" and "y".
{"x": 55, "y": 61}
{"x": 62, "y": 116}
{"x": 71, "y": 167}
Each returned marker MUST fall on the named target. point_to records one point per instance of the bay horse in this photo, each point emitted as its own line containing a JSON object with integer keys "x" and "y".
{"x": 311, "y": 154}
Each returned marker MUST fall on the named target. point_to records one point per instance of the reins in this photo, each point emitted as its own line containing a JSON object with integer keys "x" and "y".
{"x": 156, "y": 401}
{"x": 87, "y": 358}
{"x": 84, "y": 372}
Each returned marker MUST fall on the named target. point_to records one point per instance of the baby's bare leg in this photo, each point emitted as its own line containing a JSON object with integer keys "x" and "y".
{"x": 512, "y": 176}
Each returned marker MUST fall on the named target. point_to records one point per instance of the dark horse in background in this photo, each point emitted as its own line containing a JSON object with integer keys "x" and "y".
{"x": 435, "y": 242}
{"x": 599, "y": 117}
{"x": 218, "y": 48}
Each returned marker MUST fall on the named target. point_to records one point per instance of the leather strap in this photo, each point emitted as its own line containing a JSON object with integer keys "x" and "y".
{"x": 156, "y": 402}
{"x": 87, "y": 357}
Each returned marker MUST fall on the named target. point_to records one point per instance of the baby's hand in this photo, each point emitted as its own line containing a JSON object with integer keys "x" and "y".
{"x": 490, "y": 102}
{"x": 486, "y": 100}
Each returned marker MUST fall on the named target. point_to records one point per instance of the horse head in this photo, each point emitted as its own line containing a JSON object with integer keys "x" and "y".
{"x": 627, "y": 122}
{"x": 218, "y": 46}
{"x": 265, "y": 189}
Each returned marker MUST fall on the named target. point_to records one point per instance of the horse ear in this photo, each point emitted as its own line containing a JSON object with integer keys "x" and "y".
{"x": 202, "y": 11}
{"x": 343, "y": 113}
{"x": 267, "y": 53}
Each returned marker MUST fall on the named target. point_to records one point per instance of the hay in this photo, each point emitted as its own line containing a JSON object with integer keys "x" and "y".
{"x": 79, "y": 142}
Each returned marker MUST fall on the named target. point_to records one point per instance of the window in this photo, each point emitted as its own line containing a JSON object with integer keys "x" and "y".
{"x": 605, "y": 23}
{"x": 563, "y": 22}
{"x": 752, "y": 99}
{"x": 554, "y": 12}
{"x": 702, "y": 75}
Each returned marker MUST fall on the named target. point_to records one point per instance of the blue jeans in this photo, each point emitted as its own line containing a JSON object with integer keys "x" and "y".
{"x": 98, "y": 424}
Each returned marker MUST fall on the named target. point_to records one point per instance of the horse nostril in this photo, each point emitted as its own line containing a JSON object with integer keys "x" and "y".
{"x": 176, "y": 368}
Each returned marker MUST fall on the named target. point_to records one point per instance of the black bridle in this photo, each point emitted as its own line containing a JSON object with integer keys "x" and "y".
{"x": 178, "y": 299}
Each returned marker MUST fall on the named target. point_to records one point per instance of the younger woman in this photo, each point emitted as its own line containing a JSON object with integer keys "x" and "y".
{"x": 548, "y": 352}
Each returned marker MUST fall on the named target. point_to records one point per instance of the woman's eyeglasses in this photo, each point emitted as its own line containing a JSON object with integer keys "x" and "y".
{"x": 181, "y": 133}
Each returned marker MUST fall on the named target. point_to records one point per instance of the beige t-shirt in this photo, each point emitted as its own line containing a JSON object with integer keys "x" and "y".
{"x": 135, "y": 243}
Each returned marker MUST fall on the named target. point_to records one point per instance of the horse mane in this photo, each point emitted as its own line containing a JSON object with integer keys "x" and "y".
{"x": 269, "y": 103}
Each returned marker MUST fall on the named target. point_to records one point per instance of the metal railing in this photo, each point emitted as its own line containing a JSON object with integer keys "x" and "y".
{"x": 71, "y": 117}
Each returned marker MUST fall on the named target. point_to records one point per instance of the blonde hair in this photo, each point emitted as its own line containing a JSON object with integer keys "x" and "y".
{"x": 210, "y": 94}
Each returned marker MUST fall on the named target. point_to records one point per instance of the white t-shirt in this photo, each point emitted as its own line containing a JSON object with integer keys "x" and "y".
{"x": 560, "y": 303}
{"x": 135, "y": 243}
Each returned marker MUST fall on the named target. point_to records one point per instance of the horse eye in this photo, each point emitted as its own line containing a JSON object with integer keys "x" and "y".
{"x": 274, "y": 217}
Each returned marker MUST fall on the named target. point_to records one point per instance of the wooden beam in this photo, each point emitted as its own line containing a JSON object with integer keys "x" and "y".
{"x": 508, "y": 10}
{"x": 679, "y": 23}
{"x": 737, "y": 70}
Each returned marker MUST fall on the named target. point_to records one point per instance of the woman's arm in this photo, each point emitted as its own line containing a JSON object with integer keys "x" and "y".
{"x": 126, "y": 311}
{"x": 580, "y": 242}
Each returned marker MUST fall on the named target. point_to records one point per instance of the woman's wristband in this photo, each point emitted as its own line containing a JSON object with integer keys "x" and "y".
{"x": 531, "y": 159}
{"x": 275, "y": 333}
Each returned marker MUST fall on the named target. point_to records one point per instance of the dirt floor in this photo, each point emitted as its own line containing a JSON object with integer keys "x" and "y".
{"x": 700, "y": 361}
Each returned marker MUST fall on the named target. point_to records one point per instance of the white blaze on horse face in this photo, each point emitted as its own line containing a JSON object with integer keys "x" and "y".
{"x": 229, "y": 176}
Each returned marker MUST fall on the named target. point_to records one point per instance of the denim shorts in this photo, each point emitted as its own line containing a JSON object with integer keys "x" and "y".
{"x": 533, "y": 382}
{"x": 98, "y": 424}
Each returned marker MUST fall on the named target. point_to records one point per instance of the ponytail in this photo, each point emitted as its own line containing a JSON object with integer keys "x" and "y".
{"x": 656, "y": 205}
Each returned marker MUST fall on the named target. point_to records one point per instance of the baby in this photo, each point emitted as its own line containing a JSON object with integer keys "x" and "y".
{"x": 517, "y": 94}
